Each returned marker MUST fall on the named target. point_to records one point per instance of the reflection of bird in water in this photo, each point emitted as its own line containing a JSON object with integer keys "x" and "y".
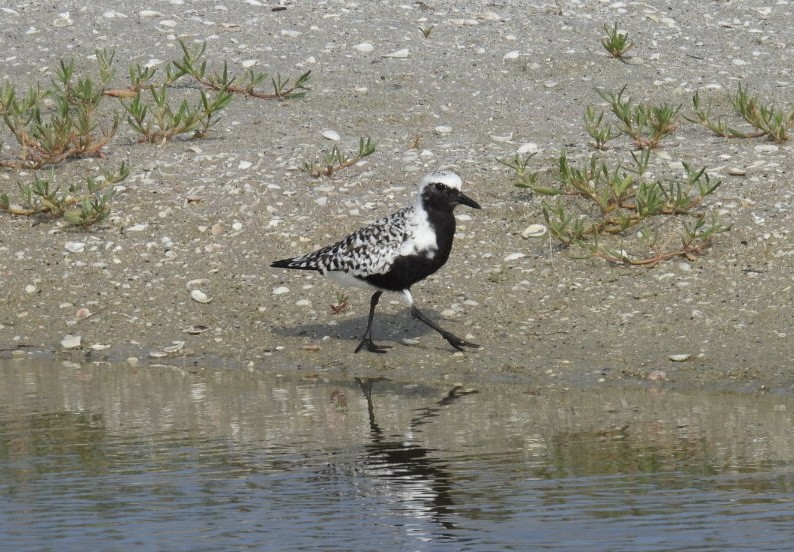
{"x": 423, "y": 483}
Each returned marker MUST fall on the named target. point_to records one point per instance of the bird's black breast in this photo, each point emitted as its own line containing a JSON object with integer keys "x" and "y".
{"x": 409, "y": 269}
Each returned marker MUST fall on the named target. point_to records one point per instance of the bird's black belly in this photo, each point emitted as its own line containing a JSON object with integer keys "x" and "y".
{"x": 405, "y": 272}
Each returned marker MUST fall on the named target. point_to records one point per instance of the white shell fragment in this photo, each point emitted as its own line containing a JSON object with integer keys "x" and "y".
{"x": 443, "y": 129}
{"x": 63, "y": 20}
{"x": 112, "y": 14}
{"x": 71, "y": 341}
{"x": 74, "y": 246}
{"x": 529, "y": 147}
{"x": 331, "y": 135}
{"x": 534, "y": 231}
{"x": 199, "y": 296}
{"x": 364, "y": 47}
{"x": 398, "y": 54}
{"x": 680, "y": 358}
{"x": 514, "y": 257}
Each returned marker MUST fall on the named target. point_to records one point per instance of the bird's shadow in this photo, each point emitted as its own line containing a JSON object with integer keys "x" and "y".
{"x": 392, "y": 327}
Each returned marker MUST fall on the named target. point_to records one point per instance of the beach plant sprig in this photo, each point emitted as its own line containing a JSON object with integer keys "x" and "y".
{"x": 336, "y": 159}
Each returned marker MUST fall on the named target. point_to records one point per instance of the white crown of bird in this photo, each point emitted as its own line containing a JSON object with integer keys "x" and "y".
{"x": 448, "y": 178}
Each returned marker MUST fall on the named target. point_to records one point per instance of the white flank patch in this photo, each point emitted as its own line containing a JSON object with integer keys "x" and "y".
{"x": 347, "y": 279}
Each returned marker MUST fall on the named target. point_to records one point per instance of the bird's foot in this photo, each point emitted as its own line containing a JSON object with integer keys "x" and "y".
{"x": 367, "y": 344}
{"x": 458, "y": 343}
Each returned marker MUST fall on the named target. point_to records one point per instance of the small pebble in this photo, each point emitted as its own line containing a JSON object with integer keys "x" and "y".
{"x": 680, "y": 358}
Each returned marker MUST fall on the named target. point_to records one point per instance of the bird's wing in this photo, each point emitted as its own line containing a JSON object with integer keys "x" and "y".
{"x": 369, "y": 250}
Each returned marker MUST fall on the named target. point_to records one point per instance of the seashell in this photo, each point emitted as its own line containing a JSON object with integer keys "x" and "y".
{"x": 534, "y": 231}
{"x": 175, "y": 347}
{"x": 657, "y": 375}
{"x": 74, "y": 247}
{"x": 443, "y": 129}
{"x": 680, "y": 358}
{"x": 196, "y": 329}
{"x": 510, "y": 55}
{"x": 529, "y": 147}
{"x": 83, "y": 313}
{"x": 248, "y": 63}
{"x": 364, "y": 47}
{"x": 331, "y": 135}
{"x": 71, "y": 341}
{"x": 199, "y": 296}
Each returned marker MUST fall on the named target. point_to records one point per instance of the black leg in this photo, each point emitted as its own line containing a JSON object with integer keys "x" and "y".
{"x": 453, "y": 340}
{"x": 366, "y": 342}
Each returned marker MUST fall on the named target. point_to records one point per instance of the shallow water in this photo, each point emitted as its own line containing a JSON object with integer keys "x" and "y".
{"x": 158, "y": 458}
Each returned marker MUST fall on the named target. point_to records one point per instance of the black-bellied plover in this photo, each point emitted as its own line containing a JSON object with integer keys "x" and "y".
{"x": 395, "y": 252}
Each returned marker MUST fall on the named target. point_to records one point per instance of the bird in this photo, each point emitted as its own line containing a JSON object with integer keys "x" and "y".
{"x": 397, "y": 251}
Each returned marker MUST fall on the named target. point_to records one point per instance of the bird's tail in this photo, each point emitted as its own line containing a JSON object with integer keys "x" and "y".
{"x": 299, "y": 263}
